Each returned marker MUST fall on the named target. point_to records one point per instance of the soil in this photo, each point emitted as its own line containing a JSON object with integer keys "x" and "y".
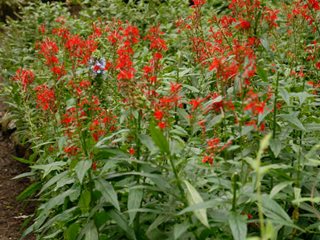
{"x": 12, "y": 212}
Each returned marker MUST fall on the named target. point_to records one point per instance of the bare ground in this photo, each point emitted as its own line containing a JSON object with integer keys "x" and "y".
{"x": 12, "y": 212}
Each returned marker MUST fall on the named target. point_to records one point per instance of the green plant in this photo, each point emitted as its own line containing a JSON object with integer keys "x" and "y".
{"x": 148, "y": 131}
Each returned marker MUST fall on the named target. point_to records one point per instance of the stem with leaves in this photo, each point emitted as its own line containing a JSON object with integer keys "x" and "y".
{"x": 263, "y": 145}
{"x": 274, "y": 121}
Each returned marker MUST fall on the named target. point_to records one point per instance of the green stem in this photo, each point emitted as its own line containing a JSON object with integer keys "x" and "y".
{"x": 275, "y": 108}
{"x": 259, "y": 197}
{"x": 263, "y": 145}
{"x": 177, "y": 179}
{"x": 234, "y": 178}
{"x": 138, "y": 154}
{"x": 274, "y": 122}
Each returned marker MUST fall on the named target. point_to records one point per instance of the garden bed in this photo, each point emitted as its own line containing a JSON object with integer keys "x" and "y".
{"x": 168, "y": 120}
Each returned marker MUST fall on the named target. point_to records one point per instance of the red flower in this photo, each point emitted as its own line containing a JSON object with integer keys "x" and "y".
{"x": 157, "y": 56}
{"x": 195, "y": 103}
{"x": 207, "y": 159}
{"x": 80, "y": 49}
{"x": 156, "y": 42}
{"x": 85, "y": 84}
{"x": 199, "y": 2}
{"x": 71, "y": 150}
{"x": 26, "y": 77}
{"x": 158, "y": 115}
{"x": 49, "y": 49}
{"x": 215, "y": 64}
{"x": 244, "y": 24}
{"x": 94, "y": 166}
{"x": 132, "y": 34}
{"x": 59, "y": 71}
{"x": 45, "y": 97}
{"x": 213, "y": 143}
{"x": 175, "y": 87}
{"x": 314, "y": 4}
{"x": 42, "y": 28}
{"x": 162, "y": 125}
{"x": 131, "y": 151}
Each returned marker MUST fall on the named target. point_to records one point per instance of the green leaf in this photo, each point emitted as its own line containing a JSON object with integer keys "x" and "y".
{"x": 47, "y": 168}
{"x": 302, "y": 96}
{"x": 122, "y": 223}
{"x": 179, "y": 229}
{"x": 82, "y": 168}
{"x": 293, "y": 119}
{"x": 265, "y": 44}
{"x": 153, "y": 228}
{"x": 191, "y": 88}
{"x": 273, "y": 210}
{"x": 57, "y": 200}
{"x": 23, "y": 160}
{"x": 24, "y": 175}
{"x": 194, "y": 198}
{"x": 54, "y": 180}
{"x": 102, "y": 141}
{"x": 183, "y": 115}
{"x": 179, "y": 131}
{"x": 71, "y": 233}
{"x": 100, "y": 218}
{"x": 92, "y": 232}
{"x": 270, "y": 233}
{"x": 238, "y": 226}
{"x": 198, "y": 206}
{"x": 52, "y": 235}
{"x": 275, "y": 146}
{"x": 158, "y": 179}
{"x": 262, "y": 74}
{"x": 107, "y": 192}
{"x": 306, "y": 199}
{"x": 215, "y": 120}
{"x": 159, "y": 139}
{"x": 71, "y": 102}
{"x": 264, "y": 143}
{"x": 84, "y": 202}
{"x": 278, "y": 188}
{"x": 134, "y": 201}
{"x": 285, "y": 95}
{"x": 147, "y": 141}
{"x": 29, "y": 191}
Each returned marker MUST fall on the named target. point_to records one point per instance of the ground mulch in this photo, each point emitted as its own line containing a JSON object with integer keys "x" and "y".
{"x": 12, "y": 212}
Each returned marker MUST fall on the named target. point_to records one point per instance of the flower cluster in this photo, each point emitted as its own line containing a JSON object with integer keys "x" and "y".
{"x": 25, "y": 77}
{"x": 214, "y": 146}
{"x": 45, "y": 98}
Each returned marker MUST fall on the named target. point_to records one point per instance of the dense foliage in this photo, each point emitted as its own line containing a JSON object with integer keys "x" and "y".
{"x": 152, "y": 119}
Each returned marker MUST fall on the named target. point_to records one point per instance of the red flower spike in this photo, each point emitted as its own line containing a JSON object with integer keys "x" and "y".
{"x": 25, "y": 77}
{"x": 207, "y": 159}
{"x": 195, "y": 103}
{"x": 45, "y": 98}
{"x": 71, "y": 150}
{"x": 158, "y": 115}
{"x": 245, "y": 25}
{"x": 175, "y": 87}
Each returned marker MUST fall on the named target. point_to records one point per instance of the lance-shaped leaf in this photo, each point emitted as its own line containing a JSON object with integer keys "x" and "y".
{"x": 194, "y": 198}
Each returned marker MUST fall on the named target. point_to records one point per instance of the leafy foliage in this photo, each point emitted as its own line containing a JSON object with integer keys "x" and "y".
{"x": 145, "y": 118}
